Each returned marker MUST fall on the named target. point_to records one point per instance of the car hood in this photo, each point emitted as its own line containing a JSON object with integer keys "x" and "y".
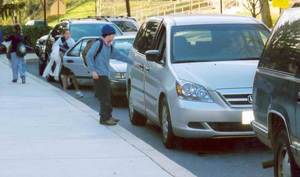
{"x": 118, "y": 66}
{"x": 218, "y": 75}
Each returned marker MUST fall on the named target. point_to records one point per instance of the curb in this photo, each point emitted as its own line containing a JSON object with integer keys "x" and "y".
{"x": 161, "y": 160}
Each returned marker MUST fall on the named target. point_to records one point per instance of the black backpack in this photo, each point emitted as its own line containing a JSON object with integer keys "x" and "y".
{"x": 89, "y": 45}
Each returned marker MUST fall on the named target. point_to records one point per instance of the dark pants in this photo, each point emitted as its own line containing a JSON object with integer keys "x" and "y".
{"x": 103, "y": 93}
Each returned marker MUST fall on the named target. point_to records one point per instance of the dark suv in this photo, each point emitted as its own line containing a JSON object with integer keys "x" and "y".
{"x": 79, "y": 28}
{"x": 276, "y": 95}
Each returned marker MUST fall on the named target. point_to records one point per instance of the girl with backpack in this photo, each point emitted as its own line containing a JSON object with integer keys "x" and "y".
{"x": 59, "y": 48}
{"x": 16, "y": 53}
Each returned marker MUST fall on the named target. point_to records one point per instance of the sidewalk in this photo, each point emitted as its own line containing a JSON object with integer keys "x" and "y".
{"x": 44, "y": 132}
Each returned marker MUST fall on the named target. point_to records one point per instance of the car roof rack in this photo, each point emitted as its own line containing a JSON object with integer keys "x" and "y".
{"x": 107, "y": 17}
{"x": 83, "y": 18}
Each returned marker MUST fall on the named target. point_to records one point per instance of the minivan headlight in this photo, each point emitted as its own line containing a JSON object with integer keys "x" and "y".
{"x": 192, "y": 91}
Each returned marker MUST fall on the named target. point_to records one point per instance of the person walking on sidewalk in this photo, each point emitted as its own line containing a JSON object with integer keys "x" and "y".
{"x": 98, "y": 57}
{"x": 59, "y": 49}
{"x": 17, "y": 52}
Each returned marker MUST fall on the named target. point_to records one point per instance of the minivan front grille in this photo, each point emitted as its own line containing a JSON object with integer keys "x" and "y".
{"x": 238, "y": 100}
{"x": 229, "y": 127}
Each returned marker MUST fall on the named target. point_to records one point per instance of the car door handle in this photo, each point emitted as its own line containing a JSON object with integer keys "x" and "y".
{"x": 147, "y": 68}
{"x": 70, "y": 61}
{"x": 142, "y": 67}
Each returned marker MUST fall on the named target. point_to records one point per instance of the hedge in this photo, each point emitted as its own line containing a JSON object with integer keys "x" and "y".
{"x": 32, "y": 33}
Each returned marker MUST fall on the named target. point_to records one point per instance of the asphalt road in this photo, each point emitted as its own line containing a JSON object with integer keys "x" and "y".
{"x": 204, "y": 158}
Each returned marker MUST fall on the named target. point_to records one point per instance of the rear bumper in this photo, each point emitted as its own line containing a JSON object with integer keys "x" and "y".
{"x": 118, "y": 87}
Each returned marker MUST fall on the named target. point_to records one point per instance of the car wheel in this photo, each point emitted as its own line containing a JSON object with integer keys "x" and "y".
{"x": 168, "y": 136}
{"x": 135, "y": 117}
{"x": 285, "y": 165}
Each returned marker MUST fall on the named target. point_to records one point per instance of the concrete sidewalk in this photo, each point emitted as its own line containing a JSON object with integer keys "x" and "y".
{"x": 44, "y": 132}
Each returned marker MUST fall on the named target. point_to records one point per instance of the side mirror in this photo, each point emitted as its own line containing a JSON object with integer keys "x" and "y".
{"x": 152, "y": 55}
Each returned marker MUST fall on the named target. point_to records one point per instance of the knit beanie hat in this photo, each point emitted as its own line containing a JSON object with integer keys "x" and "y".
{"x": 108, "y": 30}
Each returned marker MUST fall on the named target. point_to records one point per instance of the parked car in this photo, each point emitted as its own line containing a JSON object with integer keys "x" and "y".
{"x": 75, "y": 62}
{"x": 79, "y": 28}
{"x": 39, "y": 50}
{"x": 276, "y": 96}
{"x": 128, "y": 25}
{"x": 36, "y": 23}
{"x": 194, "y": 74}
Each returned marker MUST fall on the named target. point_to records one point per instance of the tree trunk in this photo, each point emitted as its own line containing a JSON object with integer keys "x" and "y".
{"x": 128, "y": 8}
{"x": 265, "y": 13}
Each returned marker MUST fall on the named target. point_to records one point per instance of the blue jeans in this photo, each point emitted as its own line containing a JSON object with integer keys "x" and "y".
{"x": 18, "y": 66}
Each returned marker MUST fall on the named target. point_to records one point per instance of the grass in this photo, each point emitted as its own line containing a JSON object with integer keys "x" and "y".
{"x": 117, "y": 7}
{"x": 87, "y": 8}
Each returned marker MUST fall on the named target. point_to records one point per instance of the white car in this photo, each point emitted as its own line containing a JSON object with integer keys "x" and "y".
{"x": 74, "y": 61}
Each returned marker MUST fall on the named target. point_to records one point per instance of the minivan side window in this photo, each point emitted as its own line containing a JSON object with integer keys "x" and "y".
{"x": 161, "y": 44}
{"x": 75, "y": 51}
{"x": 138, "y": 36}
{"x": 145, "y": 40}
{"x": 282, "y": 49}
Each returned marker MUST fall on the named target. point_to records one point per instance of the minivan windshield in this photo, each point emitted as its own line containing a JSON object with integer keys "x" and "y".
{"x": 218, "y": 42}
{"x": 90, "y": 29}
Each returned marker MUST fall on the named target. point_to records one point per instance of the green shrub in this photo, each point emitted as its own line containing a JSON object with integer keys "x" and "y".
{"x": 32, "y": 33}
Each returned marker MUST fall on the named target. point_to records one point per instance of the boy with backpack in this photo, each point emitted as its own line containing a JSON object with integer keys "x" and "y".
{"x": 16, "y": 53}
{"x": 98, "y": 56}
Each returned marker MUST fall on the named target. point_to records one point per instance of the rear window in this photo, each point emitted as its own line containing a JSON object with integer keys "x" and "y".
{"x": 282, "y": 51}
{"x": 126, "y": 26}
{"x": 84, "y": 30}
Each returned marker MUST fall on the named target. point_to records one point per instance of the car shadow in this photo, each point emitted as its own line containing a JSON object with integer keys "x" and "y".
{"x": 215, "y": 146}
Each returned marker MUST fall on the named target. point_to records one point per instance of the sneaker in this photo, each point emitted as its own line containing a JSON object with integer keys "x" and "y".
{"x": 79, "y": 94}
{"x": 109, "y": 122}
{"x": 14, "y": 81}
{"x": 114, "y": 119}
{"x": 23, "y": 80}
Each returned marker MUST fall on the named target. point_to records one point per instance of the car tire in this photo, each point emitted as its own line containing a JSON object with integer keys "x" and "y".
{"x": 168, "y": 136}
{"x": 284, "y": 163}
{"x": 135, "y": 117}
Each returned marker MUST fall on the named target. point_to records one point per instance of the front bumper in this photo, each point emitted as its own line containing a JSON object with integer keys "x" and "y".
{"x": 191, "y": 119}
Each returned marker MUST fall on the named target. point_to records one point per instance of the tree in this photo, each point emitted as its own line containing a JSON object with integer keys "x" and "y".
{"x": 128, "y": 8}
{"x": 11, "y": 9}
{"x": 253, "y": 7}
{"x": 265, "y": 13}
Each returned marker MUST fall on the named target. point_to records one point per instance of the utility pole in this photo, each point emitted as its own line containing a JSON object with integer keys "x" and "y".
{"x": 128, "y": 8}
{"x": 45, "y": 12}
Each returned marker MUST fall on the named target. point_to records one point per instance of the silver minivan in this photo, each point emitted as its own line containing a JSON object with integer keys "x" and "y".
{"x": 193, "y": 75}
